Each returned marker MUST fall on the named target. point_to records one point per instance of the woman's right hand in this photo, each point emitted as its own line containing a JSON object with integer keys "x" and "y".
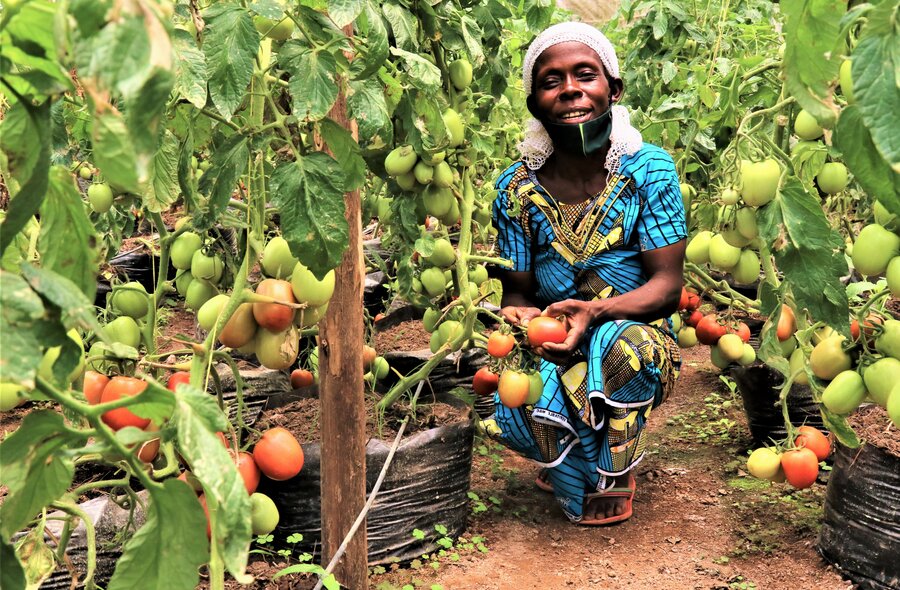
{"x": 519, "y": 315}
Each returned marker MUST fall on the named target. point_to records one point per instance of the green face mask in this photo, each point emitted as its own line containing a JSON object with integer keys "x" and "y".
{"x": 581, "y": 138}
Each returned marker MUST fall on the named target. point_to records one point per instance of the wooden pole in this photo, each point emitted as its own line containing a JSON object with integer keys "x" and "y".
{"x": 342, "y": 397}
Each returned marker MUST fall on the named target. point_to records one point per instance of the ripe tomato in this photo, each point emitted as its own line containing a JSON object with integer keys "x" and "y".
{"x": 787, "y": 323}
{"x": 814, "y": 440}
{"x": 273, "y": 316}
{"x": 278, "y": 454}
{"x": 240, "y": 329}
{"x": 683, "y": 302}
{"x": 513, "y": 387}
{"x": 801, "y": 467}
{"x": 248, "y": 469}
{"x": 499, "y": 344}
{"x": 94, "y": 383}
{"x": 695, "y": 318}
{"x": 741, "y": 329}
{"x": 485, "y": 381}
{"x": 709, "y": 330}
{"x": 202, "y": 498}
{"x": 121, "y": 417}
{"x": 177, "y": 378}
{"x": 369, "y": 355}
{"x": 868, "y": 327}
{"x": 301, "y": 378}
{"x": 545, "y": 329}
{"x": 148, "y": 451}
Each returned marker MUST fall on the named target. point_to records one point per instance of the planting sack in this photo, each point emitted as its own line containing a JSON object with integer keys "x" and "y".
{"x": 426, "y": 485}
{"x": 759, "y": 386}
{"x": 861, "y": 531}
{"x": 259, "y": 385}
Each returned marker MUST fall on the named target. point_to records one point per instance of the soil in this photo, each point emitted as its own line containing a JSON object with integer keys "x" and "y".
{"x": 408, "y": 335}
{"x": 873, "y": 427}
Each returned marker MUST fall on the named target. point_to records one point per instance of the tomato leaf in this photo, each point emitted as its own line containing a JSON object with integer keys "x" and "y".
{"x": 838, "y": 425}
{"x": 11, "y": 573}
{"x": 34, "y": 468}
{"x": 76, "y": 309}
{"x": 67, "y": 241}
{"x": 230, "y": 47}
{"x": 309, "y": 194}
{"x": 876, "y": 63}
{"x": 368, "y": 107}
{"x": 145, "y": 109}
{"x": 25, "y": 330}
{"x": 196, "y": 418}
{"x": 403, "y": 25}
{"x": 852, "y": 137}
{"x": 228, "y": 163}
{"x": 155, "y": 402}
{"x": 312, "y": 83}
{"x": 422, "y": 73}
{"x": 191, "y": 74}
{"x": 346, "y": 152}
{"x": 343, "y": 12}
{"x": 114, "y": 151}
{"x": 812, "y": 38}
{"x": 167, "y": 551}
{"x": 163, "y": 189}
{"x": 376, "y": 48}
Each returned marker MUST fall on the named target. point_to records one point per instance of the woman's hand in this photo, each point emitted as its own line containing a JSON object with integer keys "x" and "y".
{"x": 519, "y": 315}
{"x": 577, "y": 316}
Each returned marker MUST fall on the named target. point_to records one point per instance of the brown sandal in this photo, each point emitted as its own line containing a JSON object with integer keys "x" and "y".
{"x": 543, "y": 481}
{"x": 620, "y": 492}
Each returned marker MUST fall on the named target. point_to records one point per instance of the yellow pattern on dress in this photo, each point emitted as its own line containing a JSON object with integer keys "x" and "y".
{"x": 626, "y": 422}
{"x": 633, "y": 359}
{"x": 573, "y": 378}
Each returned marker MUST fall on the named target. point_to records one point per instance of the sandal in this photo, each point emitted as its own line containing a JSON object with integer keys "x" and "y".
{"x": 543, "y": 481}
{"x": 616, "y": 492}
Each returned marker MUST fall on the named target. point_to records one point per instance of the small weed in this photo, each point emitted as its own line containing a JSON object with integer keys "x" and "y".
{"x": 712, "y": 423}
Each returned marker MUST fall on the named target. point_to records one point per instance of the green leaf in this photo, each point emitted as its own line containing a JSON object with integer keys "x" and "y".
{"x": 368, "y": 107}
{"x": 31, "y": 144}
{"x": 344, "y": 12}
{"x": 190, "y": 68}
{"x": 230, "y": 47}
{"x": 167, "y": 551}
{"x": 852, "y": 137}
{"x": 422, "y": 73}
{"x": 155, "y": 402}
{"x": 812, "y": 38}
{"x": 312, "y": 83}
{"x": 11, "y": 573}
{"x": 68, "y": 241}
{"x": 120, "y": 56}
{"x": 346, "y": 151}
{"x": 114, "y": 151}
{"x": 197, "y": 418}
{"x": 144, "y": 112}
{"x": 309, "y": 194}
{"x": 403, "y": 25}
{"x": 376, "y": 48}
{"x": 838, "y": 425}
{"x": 35, "y": 468}
{"x": 25, "y": 330}
{"x": 808, "y": 158}
{"x": 876, "y": 67}
{"x": 472, "y": 34}
{"x": 163, "y": 189}
{"x": 76, "y": 309}
{"x": 228, "y": 163}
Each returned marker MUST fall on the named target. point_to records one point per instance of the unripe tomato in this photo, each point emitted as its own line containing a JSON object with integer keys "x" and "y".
{"x": 485, "y": 381}
{"x": 310, "y": 290}
{"x": 731, "y": 347}
{"x": 797, "y": 367}
{"x": 687, "y": 337}
{"x": 729, "y": 196}
{"x": 248, "y": 469}
{"x": 813, "y": 439}
{"x": 277, "y": 31}
{"x": 443, "y": 178}
{"x": 12, "y": 395}
{"x": 885, "y": 218}
{"x": 759, "y": 182}
{"x": 677, "y": 323}
{"x": 437, "y": 201}
{"x": 873, "y": 250}
{"x": 433, "y": 281}
{"x": 443, "y": 255}
{"x": 118, "y": 387}
{"x": 764, "y": 463}
{"x": 880, "y": 378}
{"x": 499, "y": 344}
{"x": 209, "y": 312}
{"x": 277, "y": 350}
{"x": 748, "y": 357}
{"x": 274, "y": 316}
{"x": 45, "y": 368}
{"x": 130, "y": 299}
{"x": 240, "y": 329}
{"x": 535, "y": 388}
{"x": 709, "y": 330}
{"x": 888, "y": 342}
{"x": 264, "y": 515}
{"x": 745, "y": 222}
{"x": 832, "y": 178}
{"x": 717, "y": 358}
{"x": 543, "y": 329}
{"x": 828, "y": 358}
{"x": 478, "y": 274}
{"x": 845, "y": 392}
{"x": 733, "y": 237}
{"x": 846, "y": 81}
{"x": 277, "y": 261}
{"x": 198, "y": 293}
{"x": 400, "y": 161}
{"x": 183, "y": 280}
{"x": 433, "y": 159}
{"x": 93, "y": 386}
{"x": 746, "y": 271}
{"x": 125, "y": 331}
{"x": 456, "y": 130}
{"x": 207, "y": 268}
{"x": 513, "y": 387}
{"x": 893, "y": 406}
{"x": 183, "y": 249}
{"x": 723, "y": 255}
{"x": 100, "y": 196}
{"x": 278, "y": 454}
{"x": 461, "y": 74}
{"x": 86, "y": 172}
{"x": 806, "y": 127}
{"x": 697, "y": 250}
{"x": 801, "y": 467}
{"x": 302, "y": 378}
{"x": 893, "y": 276}
{"x": 423, "y": 172}
{"x": 380, "y": 367}
{"x": 407, "y": 182}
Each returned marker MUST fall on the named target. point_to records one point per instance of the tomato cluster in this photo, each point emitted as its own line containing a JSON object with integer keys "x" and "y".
{"x": 798, "y": 465}
{"x": 727, "y": 338}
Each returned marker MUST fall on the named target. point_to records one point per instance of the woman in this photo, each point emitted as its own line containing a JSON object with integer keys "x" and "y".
{"x": 593, "y": 221}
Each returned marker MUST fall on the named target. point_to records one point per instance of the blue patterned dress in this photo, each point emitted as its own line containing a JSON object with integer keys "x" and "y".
{"x": 589, "y": 423}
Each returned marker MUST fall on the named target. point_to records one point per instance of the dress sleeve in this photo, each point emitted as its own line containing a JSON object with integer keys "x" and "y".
{"x": 511, "y": 239}
{"x": 662, "y": 219}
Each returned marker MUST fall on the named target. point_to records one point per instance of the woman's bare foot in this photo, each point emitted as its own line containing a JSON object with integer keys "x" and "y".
{"x": 600, "y": 507}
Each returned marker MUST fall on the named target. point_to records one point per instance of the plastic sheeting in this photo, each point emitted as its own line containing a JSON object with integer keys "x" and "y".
{"x": 426, "y": 485}
{"x": 861, "y": 532}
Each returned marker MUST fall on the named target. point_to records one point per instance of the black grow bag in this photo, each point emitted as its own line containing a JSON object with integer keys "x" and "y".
{"x": 861, "y": 531}
{"x": 759, "y": 386}
{"x": 426, "y": 485}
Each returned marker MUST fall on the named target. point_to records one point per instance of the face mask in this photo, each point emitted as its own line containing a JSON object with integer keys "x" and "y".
{"x": 581, "y": 138}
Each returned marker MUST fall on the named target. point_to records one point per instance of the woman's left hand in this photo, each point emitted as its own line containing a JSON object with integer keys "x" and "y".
{"x": 577, "y": 317}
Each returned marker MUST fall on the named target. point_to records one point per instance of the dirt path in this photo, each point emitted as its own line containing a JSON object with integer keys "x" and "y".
{"x": 700, "y": 521}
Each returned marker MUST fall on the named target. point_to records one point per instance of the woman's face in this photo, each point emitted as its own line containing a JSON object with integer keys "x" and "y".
{"x": 570, "y": 84}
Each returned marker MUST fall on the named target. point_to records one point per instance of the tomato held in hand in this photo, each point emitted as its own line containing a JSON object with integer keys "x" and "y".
{"x": 813, "y": 439}
{"x": 499, "y": 344}
{"x": 121, "y": 417}
{"x": 801, "y": 467}
{"x": 544, "y": 329}
{"x": 278, "y": 454}
{"x": 485, "y": 381}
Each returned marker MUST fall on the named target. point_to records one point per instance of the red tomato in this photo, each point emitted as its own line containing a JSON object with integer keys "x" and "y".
{"x": 545, "y": 329}
{"x": 121, "y": 417}
{"x": 814, "y": 440}
{"x": 485, "y": 381}
{"x": 801, "y": 467}
{"x": 683, "y": 302}
{"x": 693, "y": 301}
{"x": 709, "y": 330}
{"x": 514, "y": 387}
{"x": 301, "y": 378}
{"x": 694, "y": 318}
{"x": 868, "y": 327}
{"x": 176, "y": 378}
{"x": 223, "y": 440}
{"x": 273, "y": 316}
{"x": 249, "y": 470}
{"x": 787, "y": 323}
{"x": 202, "y": 499}
{"x": 741, "y": 329}
{"x": 499, "y": 344}
{"x": 94, "y": 383}
{"x": 278, "y": 454}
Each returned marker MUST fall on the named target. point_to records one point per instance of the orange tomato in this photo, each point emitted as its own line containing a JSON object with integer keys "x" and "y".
{"x": 278, "y": 454}
{"x": 813, "y": 439}
{"x": 513, "y": 388}
{"x": 94, "y": 383}
{"x": 499, "y": 344}
{"x": 121, "y": 417}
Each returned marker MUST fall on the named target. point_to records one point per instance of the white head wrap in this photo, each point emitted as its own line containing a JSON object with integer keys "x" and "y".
{"x": 537, "y": 145}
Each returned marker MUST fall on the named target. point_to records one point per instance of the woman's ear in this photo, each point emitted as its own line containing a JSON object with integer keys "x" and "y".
{"x": 531, "y": 103}
{"x": 616, "y": 89}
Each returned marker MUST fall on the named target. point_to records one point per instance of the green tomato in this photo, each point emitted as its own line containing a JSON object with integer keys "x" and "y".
{"x": 423, "y": 173}
{"x": 443, "y": 175}
{"x": 438, "y": 201}
{"x": 198, "y": 293}
{"x": 86, "y": 172}
{"x": 400, "y": 161}
{"x": 380, "y": 367}
{"x": 846, "y": 81}
{"x": 183, "y": 249}
{"x": 723, "y": 255}
{"x": 797, "y": 366}
{"x": 100, "y": 196}
{"x": 45, "y": 369}
{"x": 832, "y": 178}
{"x": 443, "y": 255}
{"x": 845, "y": 392}
{"x": 893, "y": 276}
{"x": 759, "y": 182}
{"x": 729, "y": 196}
{"x": 182, "y": 281}
{"x": 874, "y": 248}
{"x": 433, "y": 281}
{"x": 893, "y": 406}
{"x": 888, "y": 342}
{"x": 764, "y": 463}
{"x": 698, "y": 248}
{"x": 880, "y": 378}
{"x": 264, "y": 515}
{"x": 745, "y": 222}
{"x": 277, "y": 260}
{"x": 885, "y": 218}
{"x": 277, "y": 350}
{"x": 130, "y": 299}
{"x": 277, "y": 31}
{"x": 207, "y": 268}
{"x": 210, "y": 311}
{"x": 461, "y": 74}
{"x": 456, "y": 130}
{"x": 430, "y": 319}
{"x": 124, "y": 330}
{"x": 310, "y": 290}
{"x": 12, "y": 395}
{"x": 748, "y": 357}
{"x": 746, "y": 271}
{"x": 535, "y": 388}
{"x": 687, "y": 337}
{"x": 806, "y": 127}
{"x": 828, "y": 358}
{"x": 478, "y": 274}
